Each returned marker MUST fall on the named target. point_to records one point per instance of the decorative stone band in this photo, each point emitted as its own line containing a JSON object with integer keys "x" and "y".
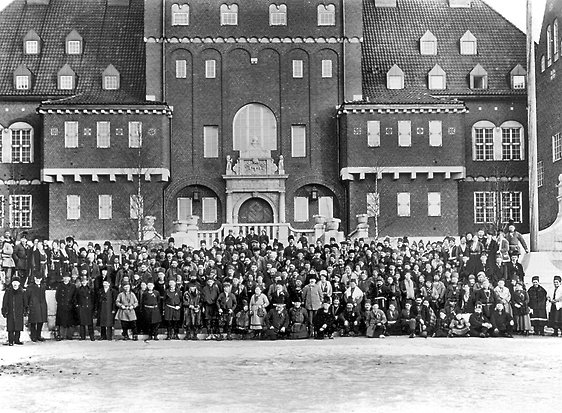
{"x": 58, "y": 174}
{"x": 450, "y": 172}
{"x": 23, "y": 182}
{"x": 90, "y": 111}
{"x": 209, "y": 40}
{"x": 392, "y": 109}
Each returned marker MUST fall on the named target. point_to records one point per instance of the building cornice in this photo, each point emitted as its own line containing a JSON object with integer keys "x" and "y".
{"x": 450, "y": 172}
{"x": 254, "y": 40}
{"x": 366, "y": 108}
{"x": 58, "y": 174}
{"x": 107, "y": 110}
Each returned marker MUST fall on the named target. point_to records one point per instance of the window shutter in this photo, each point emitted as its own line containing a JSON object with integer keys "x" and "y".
{"x": 135, "y": 134}
{"x": 210, "y": 141}
{"x": 184, "y": 208}
{"x": 404, "y": 133}
{"x": 434, "y": 204}
{"x": 71, "y": 134}
{"x": 298, "y": 141}
{"x": 209, "y": 210}
{"x": 497, "y": 144}
{"x": 6, "y": 146}
{"x": 435, "y": 133}
{"x": 326, "y": 206}
{"x": 301, "y": 209}
{"x": 374, "y": 133}
{"x": 73, "y": 207}
{"x": 403, "y": 199}
{"x": 104, "y": 206}
{"x": 103, "y": 134}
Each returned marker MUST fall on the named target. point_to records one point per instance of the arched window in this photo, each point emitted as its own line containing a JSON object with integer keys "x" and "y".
{"x": 513, "y": 141}
{"x": 180, "y": 15}
{"x": 17, "y": 143}
{"x": 254, "y": 129}
{"x": 504, "y": 143}
{"x": 483, "y": 141}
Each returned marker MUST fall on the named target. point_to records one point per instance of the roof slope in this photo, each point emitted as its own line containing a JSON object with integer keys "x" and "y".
{"x": 391, "y": 36}
{"x": 111, "y": 35}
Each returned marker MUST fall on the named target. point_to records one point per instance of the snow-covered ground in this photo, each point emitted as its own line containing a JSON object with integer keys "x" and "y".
{"x": 397, "y": 374}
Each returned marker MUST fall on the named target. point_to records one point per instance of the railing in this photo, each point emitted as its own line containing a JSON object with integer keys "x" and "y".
{"x": 280, "y": 232}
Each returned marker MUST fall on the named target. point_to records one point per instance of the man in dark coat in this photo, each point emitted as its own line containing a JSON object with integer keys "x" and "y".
{"x": 479, "y": 323}
{"x": 20, "y": 258}
{"x": 151, "y": 310}
{"x": 106, "y": 309}
{"x": 84, "y": 301}
{"x": 172, "y": 306}
{"x": 277, "y": 322}
{"x": 36, "y": 308}
{"x": 502, "y": 322}
{"x": 537, "y": 304}
{"x": 65, "y": 319}
{"x": 324, "y": 321}
{"x": 488, "y": 297}
{"x": 12, "y": 310}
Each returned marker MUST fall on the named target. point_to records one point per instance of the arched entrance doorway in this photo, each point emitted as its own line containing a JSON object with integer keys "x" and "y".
{"x": 255, "y": 211}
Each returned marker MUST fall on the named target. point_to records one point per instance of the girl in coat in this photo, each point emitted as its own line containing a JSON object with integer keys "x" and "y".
{"x": 258, "y": 304}
{"x": 126, "y": 304}
{"x": 12, "y": 310}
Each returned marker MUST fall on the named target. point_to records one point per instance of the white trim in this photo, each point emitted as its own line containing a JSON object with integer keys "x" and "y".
{"x": 51, "y": 174}
{"x": 451, "y": 172}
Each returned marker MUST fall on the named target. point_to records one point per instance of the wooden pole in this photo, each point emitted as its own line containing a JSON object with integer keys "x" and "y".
{"x": 532, "y": 133}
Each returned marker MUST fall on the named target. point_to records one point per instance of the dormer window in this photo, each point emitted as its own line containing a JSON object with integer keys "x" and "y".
{"x": 180, "y": 15}
{"x": 428, "y": 44}
{"x": 395, "y": 78}
{"x": 437, "y": 78}
{"x": 229, "y": 15}
{"x": 468, "y": 44}
{"x": 111, "y": 78}
{"x": 278, "y": 15}
{"x": 478, "y": 78}
{"x": 518, "y": 77}
{"x": 31, "y": 42}
{"x": 326, "y": 15}
{"x": 66, "y": 78}
{"x": 73, "y": 43}
{"x": 22, "y": 78}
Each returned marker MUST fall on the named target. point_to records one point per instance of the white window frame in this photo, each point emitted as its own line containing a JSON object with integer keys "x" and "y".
{"x": 435, "y": 133}
{"x": 72, "y": 207}
{"x": 277, "y": 15}
{"x": 181, "y": 69}
{"x": 21, "y": 211}
{"x": 74, "y": 47}
{"x": 327, "y": 68}
{"x": 556, "y": 147}
{"x": 511, "y": 212}
{"x": 105, "y": 207}
{"x": 111, "y": 82}
{"x": 374, "y": 133}
{"x": 103, "y": 134}
{"x": 511, "y": 144}
{"x": 32, "y": 47}
{"x": 404, "y": 133}
{"x": 298, "y": 69}
{"x": 210, "y": 69}
{"x": 66, "y": 82}
{"x": 469, "y": 44}
{"x": 136, "y": 206}
{"x": 300, "y": 209}
{"x": 205, "y": 218}
{"x": 298, "y": 141}
{"x": 135, "y": 134}
{"x": 555, "y": 37}
{"x": 187, "y": 204}
{"x": 210, "y": 141}
{"x": 549, "y": 45}
{"x": 21, "y": 142}
{"x": 180, "y": 14}
{"x": 395, "y": 82}
{"x": 326, "y": 15}
{"x": 403, "y": 204}
{"x": 485, "y": 207}
{"x": 23, "y": 82}
{"x": 518, "y": 82}
{"x": 326, "y": 206}
{"x": 434, "y": 204}
{"x": 2, "y": 210}
{"x": 229, "y": 15}
{"x": 71, "y": 139}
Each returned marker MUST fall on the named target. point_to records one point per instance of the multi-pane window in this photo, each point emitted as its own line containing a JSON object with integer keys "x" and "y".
{"x": 135, "y": 134}
{"x": 404, "y": 133}
{"x": 543, "y": 63}
{"x": 66, "y": 82}
{"x": 110, "y": 82}
{"x": 210, "y": 141}
{"x": 185, "y": 209}
{"x": 326, "y": 69}
{"x": 277, "y": 15}
{"x": 298, "y": 69}
{"x": 254, "y": 127}
{"x": 326, "y": 206}
{"x": 180, "y": 15}
{"x": 32, "y": 47}
{"x": 298, "y": 141}
{"x": 136, "y": 206}
{"x": 181, "y": 69}
{"x": 484, "y": 144}
{"x": 104, "y": 206}
{"x": 437, "y": 78}
{"x": 22, "y": 82}
{"x": 395, "y": 78}
{"x": 103, "y": 135}
{"x": 540, "y": 173}
{"x": 209, "y": 215}
{"x": 2, "y": 210}
{"x": 72, "y": 207}
{"x": 71, "y": 134}
{"x": 556, "y": 147}
{"x": 403, "y": 202}
{"x": 210, "y": 69}
{"x": 468, "y": 44}
{"x": 434, "y": 204}
{"x": 518, "y": 82}
{"x": 484, "y": 207}
{"x": 511, "y": 206}
{"x": 326, "y": 15}
{"x": 511, "y": 144}
{"x": 21, "y": 145}
{"x": 73, "y": 47}
{"x": 373, "y": 133}
{"x": 301, "y": 209}
{"x": 428, "y": 44}
{"x": 20, "y": 211}
{"x": 229, "y": 15}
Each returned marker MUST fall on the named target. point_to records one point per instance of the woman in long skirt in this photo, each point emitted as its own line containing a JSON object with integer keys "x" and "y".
{"x": 555, "y": 316}
{"x": 520, "y": 303}
{"x": 537, "y": 304}
{"x": 258, "y": 305}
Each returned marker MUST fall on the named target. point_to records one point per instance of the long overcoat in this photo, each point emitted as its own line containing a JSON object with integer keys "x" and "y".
{"x": 36, "y": 303}
{"x": 106, "y": 307}
{"x": 65, "y": 295}
{"x": 84, "y": 301}
{"x": 12, "y": 309}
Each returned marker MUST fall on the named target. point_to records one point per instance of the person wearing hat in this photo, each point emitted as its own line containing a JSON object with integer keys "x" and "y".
{"x": 172, "y": 303}
{"x": 537, "y": 306}
{"x": 502, "y": 322}
{"x": 84, "y": 301}
{"x": 105, "y": 310}
{"x": 514, "y": 269}
{"x": 65, "y": 320}
{"x": 227, "y": 305}
{"x": 354, "y": 294}
{"x": 520, "y": 305}
{"x": 312, "y": 299}
{"x": 192, "y": 308}
{"x": 277, "y": 322}
{"x": 324, "y": 322}
{"x": 555, "y": 300}
{"x": 210, "y": 294}
{"x": 243, "y": 320}
{"x": 348, "y": 320}
{"x": 13, "y": 305}
{"x": 298, "y": 319}
{"x": 258, "y": 304}
{"x": 375, "y": 320}
{"x": 126, "y": 303}
{"x": 151, "y": 310}
{"x": 479, "y": 324}
{"x": 514, "y": 238}
{"x": 36, "y": 308}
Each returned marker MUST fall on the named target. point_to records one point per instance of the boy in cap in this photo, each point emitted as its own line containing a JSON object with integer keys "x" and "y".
{"x": 191, "y": 311}
{"x": 13, "y": 305}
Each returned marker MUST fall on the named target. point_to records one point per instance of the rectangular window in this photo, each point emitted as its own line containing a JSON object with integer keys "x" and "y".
{"x": 403, "y": 201}
{"x": 210, "y": 141}
{"x": 540, "y": 173}
{"x": 136, "y": 206}
{"x": 298, "y": 141}
{"x": 436, "y": 82}
{"x": 373, "y": 133}
{"x": 404, "y": 133}
{"x": 395, "y": 82}
{"x": 278, "y": 15}
{"x": 110, "y": 82}
{"x": 434, "y": 204}
{"x": 479, "y": 82}
{"x": 72, "y": 207}
{"x": 519, "y": 81}
{"x": 435, "y": 133}
{"x": 22, "y": 82}
{"x": 428, "y": 47}
{"x": 511, "y": 207}
{"x": 74, "y": 47}
{"x": 71, "y": 134}
{"x": 373, "y": 204}
{"x": 20, "y": 211}
{"x": 229, "y": 15}
{"x": 209, "y": 206}
{"x": 298, "y": 69}
{"x": 468, "y": 47}
{"x": 301, "y": 209}
{"x": 66, "y": 82}
{"x": 326, "y": 69}
{"x": 484, "y": 144}
{"x": 21, "y": 146}
{"x": 32, "y": 47}
{"x": 180, "y": 15}
{"x": 511, "y": 144}
{"x": 185, "y": 209}
{"x": 326, "y": 206}
{"x": 210, "y": 69}
{"x": 556, "y": 147}
{"x": 484, "y": 207}
{"x": 135, "y": 134}
{"x": 181, "y": 69}
{"x": 103, "y": 134}
{"x": 104, "y": 204}
{"x": 326, "y": 15}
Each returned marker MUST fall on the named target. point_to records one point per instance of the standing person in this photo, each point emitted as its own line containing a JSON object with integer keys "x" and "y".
{"x": 312, "y": 297}
{"x": 13, "y": 305}
{"x": 54, "y": 272}
{"x": 20, "y": 259}
{"x": 258, "y": 304}
{"x": 555, "y": 315}
{"x": 84, "y": 301}
{"x": 192, "y": 311}
{"x": 210, "y": 293}
{"x": 520, "y": 303}
{"x": 36, "y": 307}
{"x": 298, "y": 318}
{"x": 227, "y": 304}
{"x": 8, "y": 263}
{"x": 513, "y": 237}
{"x": 127, "y": 303}
{"x": 106, "y": 310}
{"x": 537, "y": 305}
{"x": 65, "y": 320}
{"x": 38, "y": 260}
{"x": 151, "y": 310}
{"x": 172, "y": 307}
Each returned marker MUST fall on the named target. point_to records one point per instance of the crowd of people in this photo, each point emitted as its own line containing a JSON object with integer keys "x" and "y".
{"x": 247, "y": 286}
